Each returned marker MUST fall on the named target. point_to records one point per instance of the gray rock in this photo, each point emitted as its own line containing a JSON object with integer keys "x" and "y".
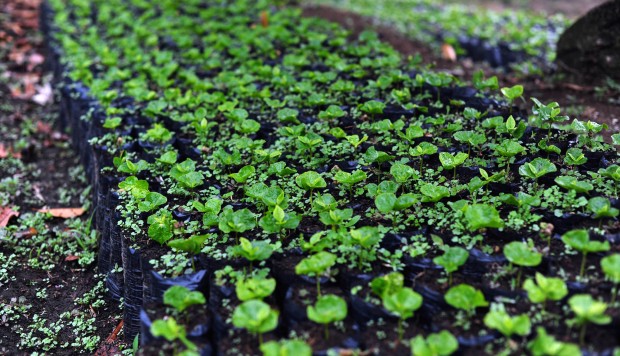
{"x": 590, "y": 48}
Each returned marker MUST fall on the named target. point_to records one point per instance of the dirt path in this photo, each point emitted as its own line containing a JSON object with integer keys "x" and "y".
{"x": 50, "y": 296}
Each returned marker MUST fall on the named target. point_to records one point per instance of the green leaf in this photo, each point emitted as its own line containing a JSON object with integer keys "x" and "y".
{"x": 402, "y": 172}
{"x": 310, "y": 180}
{"x": 509, "y": 148}
{"x": 366, "y": 236}
{"x": 243, "y": 174}
{"x": 480, "y": 216}
{"x": 169, "y": 157}
{"x": 452, "y": 258}
{"x": 112, "y": 122}
{"x": 327, "y": 309}
{"x": 288, "y": 115}
{"x": 373, "y": 107}
{"x": 136, "y": 187}
{"x": 181, "y": 298}
{"x": 332, "y": 112}
{"x": 255, "y": 316}
{"x": 160, "y": 226}
{"x": 472, "y": 138}
{"x": 580, "y": 241}
{"x": 192, "y": 245}
{"x": 601, "y": 207}
{"x": 424, "y": 148}
{"x": 402, "y": 302}
{"x": 466, "y": 297}
{"x": 545, "y": 288}
{"x": 512, "y": 93}
{"x": 611, "y": 267}
{"x": 385, "y": 202}
{"x": 450, "y": 161}
{"x": 236, "y": 221}
{"x": 574, "y": 157}
{"x": 350, "y": 178}
{"x": 316, "y": 264}
{"x": 442, "y": 343}
{"x": 521, "y": 254}
{"x": 571, "y": 183}
{"x": 152, "y": 201}
{"x": 254, "y": 288}
{"x": 589, "y": 310}
{"x": 499, "y": 320}
{"x": 387, "y": 284}
{"x": 286, "y": 348}
{"x": 253, "y": 250}
{"x": 433, "y": 192}
{"x": 537, "y": 168}
{"x": 546, "y": 345}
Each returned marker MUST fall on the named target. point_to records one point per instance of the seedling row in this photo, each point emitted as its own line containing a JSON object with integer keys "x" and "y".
{"x": 268, "y": 183}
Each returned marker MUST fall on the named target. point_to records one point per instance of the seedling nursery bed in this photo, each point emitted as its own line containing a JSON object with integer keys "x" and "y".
{"x": 267, "y": 184}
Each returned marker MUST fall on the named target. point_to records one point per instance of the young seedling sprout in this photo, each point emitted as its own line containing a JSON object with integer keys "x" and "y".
{"x": 451, "y": 260}
{"x": 580, "y": 241}
{"x": 256, "y": 317}
{"x": 587, "y": 310}
{"x": 327, "y": 309}
{"x": 310, "y": 181}
{"x": 520, "y": 254}
{"x": 611, "y": 267}
{"x": 316, "y": 265}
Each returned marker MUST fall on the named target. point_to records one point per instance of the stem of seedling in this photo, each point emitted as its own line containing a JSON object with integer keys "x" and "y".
{"x": 582, "y": 334}
{"x": 583, "y": 265}
{"x": 318, "y": 285}
{"x": 519, "y": 277}
{"x": 260, "y": 339}
{"x": 449, "y": 279}
{"x": 400, "y": 329}
{"x": 614, "y": 292}
{"x": 326, "y": 332}
{"x": 454, "y": 174}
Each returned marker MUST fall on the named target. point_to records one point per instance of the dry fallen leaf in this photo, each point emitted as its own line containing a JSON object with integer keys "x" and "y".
{"x": 26, "y": 234}
{"x": 112, "y": 337}
{"x": 264, "y": 18}
{"x": 44, "y": 94}
{"x": 3, "y": 152}
{"x": 34, "y": 60}
{"x": 448, "y": 52}
{"x": 6, "y": 214}
{"x": 72, "y": 258}
{"x": 64, "y": 213}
